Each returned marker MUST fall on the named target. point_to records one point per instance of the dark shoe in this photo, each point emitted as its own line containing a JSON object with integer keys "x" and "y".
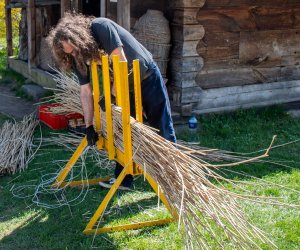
{"x": 108, "y": 184}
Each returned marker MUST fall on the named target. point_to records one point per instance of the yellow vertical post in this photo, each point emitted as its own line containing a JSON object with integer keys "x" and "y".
{"x": 137, "y": 91}
{"x": 126, "y": 116}
{"x": 117, "y": 83}
{"x": 107, "y": 94}
{"x": 96, "y": 90}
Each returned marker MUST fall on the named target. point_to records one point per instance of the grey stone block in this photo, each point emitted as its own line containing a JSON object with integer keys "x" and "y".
{"x": 35, "y": 91}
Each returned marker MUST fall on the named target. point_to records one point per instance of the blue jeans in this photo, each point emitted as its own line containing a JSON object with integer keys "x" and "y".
{"x": 156, "y": 106}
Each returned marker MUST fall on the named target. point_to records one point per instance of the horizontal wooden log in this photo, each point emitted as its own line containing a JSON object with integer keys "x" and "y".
{"x": 191, "y": 95}
{"x": 184, "y": 48}
{"x": 23, "y": 4}
{"x": 186, "y": 109}
{"x": 183, "y": 79}
{"x": 250, "y": 18}
{"x": 225, "y": 20}
{"x": 268, "y": 45}
{"x": 238, "y": 3}
{"x": 217, "y": 53}
{"x": 187, "y": 32}
{"x": 187, "y": 3}
{"x": 274, "y": 18}
{"x": 219, "y": 46}
{"x": 221, "y": 64}
{"x": 218, "y": 78}
{"x": 230, "y": 98}
{"x": 186, "y": 64}
{"x": 186, "y": 95}
{"x": 185, "y": 16}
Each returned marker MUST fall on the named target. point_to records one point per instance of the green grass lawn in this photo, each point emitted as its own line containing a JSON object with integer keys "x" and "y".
{"x": 24, "y": 225}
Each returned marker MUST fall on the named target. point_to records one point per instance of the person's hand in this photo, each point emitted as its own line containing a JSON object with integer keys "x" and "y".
{"x": 91, "y": 135}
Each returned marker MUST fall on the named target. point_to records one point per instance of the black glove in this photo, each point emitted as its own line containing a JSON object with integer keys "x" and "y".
{"x": 102, "y": 102}
{"x": 91, "y": 135}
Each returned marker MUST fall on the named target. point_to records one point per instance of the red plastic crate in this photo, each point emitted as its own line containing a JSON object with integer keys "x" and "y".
{"x": 55, "y": 121}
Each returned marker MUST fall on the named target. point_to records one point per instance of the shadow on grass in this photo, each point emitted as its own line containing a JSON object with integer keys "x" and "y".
{"x": 23, "y": 225}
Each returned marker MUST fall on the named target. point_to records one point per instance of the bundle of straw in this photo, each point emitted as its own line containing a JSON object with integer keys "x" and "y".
{"x": 16, "y": 145}
{"x": 208, "y": 213}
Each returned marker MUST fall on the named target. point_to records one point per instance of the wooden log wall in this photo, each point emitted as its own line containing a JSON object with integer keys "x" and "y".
{"x": 249, "y": 42}
{"x": 232, "y": 43}
{"x": 185, "y": 60}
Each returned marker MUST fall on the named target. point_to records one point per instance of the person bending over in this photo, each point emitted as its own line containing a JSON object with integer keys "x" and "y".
{"x": 78, "y": 39}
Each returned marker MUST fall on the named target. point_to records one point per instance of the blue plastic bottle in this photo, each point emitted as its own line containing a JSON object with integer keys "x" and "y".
{"x": 193, "y": 128}
{"x": 193, "y": 123}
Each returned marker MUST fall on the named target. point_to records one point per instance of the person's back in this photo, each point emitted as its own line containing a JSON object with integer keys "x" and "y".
{"x": 109, "y": 35}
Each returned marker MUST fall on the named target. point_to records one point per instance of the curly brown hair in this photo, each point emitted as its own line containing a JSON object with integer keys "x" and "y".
{"x": 75, "y": 29}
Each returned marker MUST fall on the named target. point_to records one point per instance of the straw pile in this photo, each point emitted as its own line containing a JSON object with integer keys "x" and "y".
{"x": 209, "y": 214}
{"x": 16, "y": 145}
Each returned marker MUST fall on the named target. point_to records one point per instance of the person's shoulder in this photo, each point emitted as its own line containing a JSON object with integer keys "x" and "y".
{"x": 101, "y": 21}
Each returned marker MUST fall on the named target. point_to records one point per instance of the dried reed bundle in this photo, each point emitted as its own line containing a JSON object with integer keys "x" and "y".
{"x": 16, "y": 145}
{"x": 207, "y": 211}
{"x": 67, "y": 93}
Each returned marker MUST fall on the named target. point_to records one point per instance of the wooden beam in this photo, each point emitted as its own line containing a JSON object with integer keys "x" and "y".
{"x": 103, "y": 8}
{"x": 65, "y": 5}
{"x": 123, "y": 13}
{"x": 31, "y": 21}
{"x": 8, "y": 23}
{"x": 23, "y": 4}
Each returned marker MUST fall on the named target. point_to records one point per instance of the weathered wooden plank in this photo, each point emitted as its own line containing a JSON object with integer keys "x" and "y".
{"x": 186, "y": 109}
{"x": 191, "y": 95}
{"x": 215, "y": 53}
{"x": 217, "y": 78}
{"x": 123, "y": 13}
{"x": 245, "y": 3}
{"x": 221, "y": 99}
{"x": 185, "y": 16}
{"x": 186, "y": 95}
{"x": 31, "y": 22}
{"x": 186, "y": 64}
{"x": 187, "y": 3}
{"x": 23, "y": 42}
{"x": 222, "y": 39}
{"x": 246, "y": 89}
{"x": 268, "y": 45}
{"x": 221, "y": 63}
{"x": 250, "y": 18}
{"x": 39, "y": 26}
{"x": 187, "y": 32}
{"x": 184, "y": 48}
{"x": 227, "y": 20}
{"x": 274, "y": 18}
{"x": 183, "y": 79}
{"x": 23, "y": 4}
{"x": 220, "y": 45}
{"x": 103, "y": 8}
{"x": 8, "y": 24}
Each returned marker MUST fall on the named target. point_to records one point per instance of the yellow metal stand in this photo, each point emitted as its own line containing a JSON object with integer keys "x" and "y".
{"x": 124, "y": 158}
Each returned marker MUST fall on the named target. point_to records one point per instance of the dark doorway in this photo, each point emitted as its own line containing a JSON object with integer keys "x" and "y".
{"x": 91, "y": 7}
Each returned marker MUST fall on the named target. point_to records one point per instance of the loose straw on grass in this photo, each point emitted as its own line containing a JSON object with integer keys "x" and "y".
{"x": 16, "y": 145}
